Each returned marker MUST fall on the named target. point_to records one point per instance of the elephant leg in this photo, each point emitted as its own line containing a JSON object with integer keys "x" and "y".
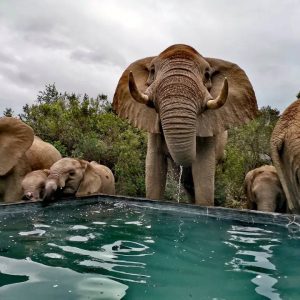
{"x": 203, "y": 170}
{"x": 156, "y": 167}
{"x": 13, "y": 190}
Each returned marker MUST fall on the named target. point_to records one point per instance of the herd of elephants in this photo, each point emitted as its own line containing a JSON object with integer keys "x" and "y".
{"x": 186, "y": 103}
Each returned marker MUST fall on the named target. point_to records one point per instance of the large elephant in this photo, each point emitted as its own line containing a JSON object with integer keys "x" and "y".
{"x": 186, "y": 102}
{"x": 285, "y": 152}
{"x": 78, "y": 177}
{"x": 264, "y": 191}
{"x": 20, "y": 153}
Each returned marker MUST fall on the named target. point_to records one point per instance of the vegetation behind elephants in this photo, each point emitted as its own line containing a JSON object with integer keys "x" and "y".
{"x": 87, "y": 128}
{"x": 248, "y": 147}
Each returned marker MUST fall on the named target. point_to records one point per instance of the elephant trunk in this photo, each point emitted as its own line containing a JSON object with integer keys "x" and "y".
{"x": 267, "y": 207}
{"x": 178, "y": 113}
{"x": 50, "y": 189}
{"x": 267, "y": 200}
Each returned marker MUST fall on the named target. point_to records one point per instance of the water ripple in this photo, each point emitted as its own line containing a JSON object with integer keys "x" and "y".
{"x": 254, "y": 254}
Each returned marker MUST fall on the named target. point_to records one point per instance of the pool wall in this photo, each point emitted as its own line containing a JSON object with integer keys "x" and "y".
{"x": 291, "y": 221}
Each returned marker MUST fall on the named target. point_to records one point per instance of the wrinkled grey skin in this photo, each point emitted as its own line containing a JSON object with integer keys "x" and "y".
{"x": 78, "y": 177}
{"x": 33, "y": 184}
{"x": 170, "y": 96}
{"x": 285, "y": 152}
{"x": 264, "y": 191}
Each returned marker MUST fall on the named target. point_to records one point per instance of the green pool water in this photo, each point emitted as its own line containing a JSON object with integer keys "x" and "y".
{"x": 122, "y": 250}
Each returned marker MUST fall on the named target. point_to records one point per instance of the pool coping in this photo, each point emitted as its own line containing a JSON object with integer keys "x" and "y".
{"x": 291, "y": 221}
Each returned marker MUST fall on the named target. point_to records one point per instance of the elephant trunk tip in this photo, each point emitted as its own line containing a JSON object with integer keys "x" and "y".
{"x": 184, "y": 159}
{"x": 27, "y": 196}
{"x": 184, "y": 163}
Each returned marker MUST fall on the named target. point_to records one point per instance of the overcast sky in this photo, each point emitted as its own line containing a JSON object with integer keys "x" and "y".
{"x": 83, "y": 46}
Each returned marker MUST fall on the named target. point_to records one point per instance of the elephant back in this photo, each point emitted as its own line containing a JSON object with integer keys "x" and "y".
{"x": 42, "y": 155}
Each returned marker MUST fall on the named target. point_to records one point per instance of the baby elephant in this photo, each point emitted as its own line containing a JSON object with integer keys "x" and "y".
{"x": 79, "y": 177}
{"x": 33, "y": 184}
{"x": 264, "y": 191}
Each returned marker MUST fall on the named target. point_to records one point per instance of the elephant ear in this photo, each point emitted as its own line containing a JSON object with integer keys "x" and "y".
{"x": 138, "y": 115}
{"x": 91, "y": 182}
{"x": 15, "y": 139}
{"x": 240, "y": 106}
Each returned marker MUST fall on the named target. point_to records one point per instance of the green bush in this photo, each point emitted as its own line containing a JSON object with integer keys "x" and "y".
{"x": 86, "y": 128}
{"x": 248, "y": 147}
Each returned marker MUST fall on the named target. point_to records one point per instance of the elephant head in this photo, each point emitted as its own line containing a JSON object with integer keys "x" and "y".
{"x": 15, "y": 139}
{"x": 181, "y": 95}
{"x": 33, "y": 184}
{"x": 72, "y": 176}
{"x": 264, "y": 191}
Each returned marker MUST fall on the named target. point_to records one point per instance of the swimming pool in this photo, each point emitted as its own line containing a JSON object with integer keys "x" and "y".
{"x": 110, "y": 248}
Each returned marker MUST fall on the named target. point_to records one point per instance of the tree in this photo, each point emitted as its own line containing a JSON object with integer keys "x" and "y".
{"x": 86, "y": 128}
{"x": 8, "y": 112}
{"x": 298, "y": 95}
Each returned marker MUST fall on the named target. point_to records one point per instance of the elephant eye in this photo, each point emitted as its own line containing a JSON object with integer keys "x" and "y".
{"x": 206, "y": 75}
{"x": 151, "y": 75}
{"x": 152, "y": 70}
{"x": 72, "y": 173}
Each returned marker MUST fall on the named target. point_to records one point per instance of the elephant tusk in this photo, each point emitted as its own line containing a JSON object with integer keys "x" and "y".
{"x": 221, "y": 99}
{"x": 135, "y": 93}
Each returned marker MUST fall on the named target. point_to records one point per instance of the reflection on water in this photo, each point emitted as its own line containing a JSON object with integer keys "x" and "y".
{"x": 117, "y": 251}
{"x": 56, "y": 282}
{"x": 257, "y": 259}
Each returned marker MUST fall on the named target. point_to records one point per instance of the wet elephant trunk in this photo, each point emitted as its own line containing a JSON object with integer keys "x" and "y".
{"x": 51, "y": 187}
{"x": 267, "y": 200}
{"x": 267, "y": 207}
{"x": 178, "y": 114}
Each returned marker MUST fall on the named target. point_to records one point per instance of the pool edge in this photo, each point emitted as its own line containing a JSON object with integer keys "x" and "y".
{"x": 292, "y": 221}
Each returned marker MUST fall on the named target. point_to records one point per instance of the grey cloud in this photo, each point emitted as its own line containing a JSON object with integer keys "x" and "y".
{"x": 84, "y": 46}
{"x": 47, "y": 41}
{"x": 97, "y": 56}
{"x": 6, "y": 58}
{"x": 17, "y": 76}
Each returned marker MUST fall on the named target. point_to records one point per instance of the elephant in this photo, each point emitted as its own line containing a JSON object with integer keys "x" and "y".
{"x": 285, "y": 153}
{"x": 20, "y": 153}
{"x": 264, "y": 191}
{"x": 185, "y": 102}
{"x": 79, "y": 177}
{"x": 33, "y": 184}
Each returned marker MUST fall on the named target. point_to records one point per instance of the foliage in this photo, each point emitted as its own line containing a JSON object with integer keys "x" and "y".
{"x": 248, "y": 147}
{"x": 86, "y": 128}
{"x": 298, "y": 95}
{"x": 8, "y": 112}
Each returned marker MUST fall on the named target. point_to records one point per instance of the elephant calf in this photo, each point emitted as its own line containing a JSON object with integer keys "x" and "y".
{"x": 264, "y": 191}
{"x": 79, "y": 177}
{"x": 33, "y": 184}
